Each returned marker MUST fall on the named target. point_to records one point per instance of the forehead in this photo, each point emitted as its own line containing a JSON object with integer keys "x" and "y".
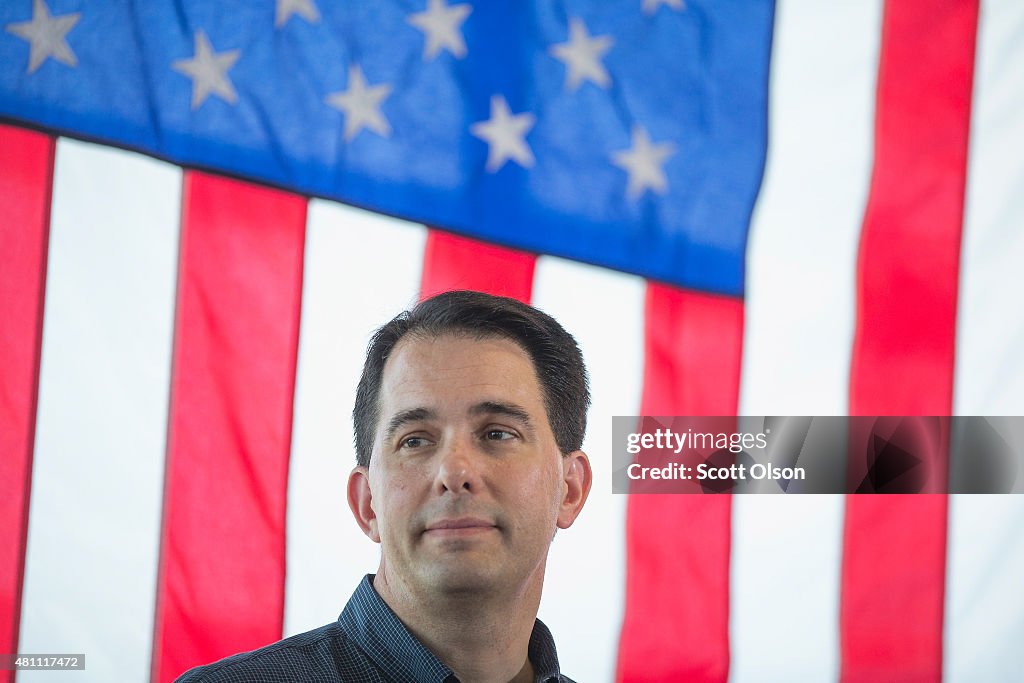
{"x": 457, "y": 371}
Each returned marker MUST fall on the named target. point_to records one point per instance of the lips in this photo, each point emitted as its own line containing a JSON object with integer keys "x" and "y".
{"x": 461, "y": 526}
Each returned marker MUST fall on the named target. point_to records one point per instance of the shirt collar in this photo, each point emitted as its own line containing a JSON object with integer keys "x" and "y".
{"x": 542, "y": 654}
{"x": 371, "y": 624}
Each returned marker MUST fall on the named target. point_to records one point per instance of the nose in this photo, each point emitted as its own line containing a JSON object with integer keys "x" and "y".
{"x": 458, "y": 467}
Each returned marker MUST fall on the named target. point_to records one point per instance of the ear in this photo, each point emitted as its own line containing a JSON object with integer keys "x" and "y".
{"x": 578, "y": 478}
{"x": 360, "y": 501}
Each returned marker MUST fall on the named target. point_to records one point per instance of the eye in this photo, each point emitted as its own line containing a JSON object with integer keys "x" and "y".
{"x": 413, "y": 442}
{"x": 499, "y": 435}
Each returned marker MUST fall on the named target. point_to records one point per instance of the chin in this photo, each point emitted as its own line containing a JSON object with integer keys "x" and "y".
{"x": 461, "y": 577}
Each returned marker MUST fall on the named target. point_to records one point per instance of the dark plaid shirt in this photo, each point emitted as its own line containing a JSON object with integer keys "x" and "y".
{"x": 366, "y": 643}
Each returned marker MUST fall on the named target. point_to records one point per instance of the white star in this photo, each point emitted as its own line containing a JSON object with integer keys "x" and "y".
{"x": 651, "y": 6}
{"x": 643, "y": 162}
{"x": 441, "y": 25}
{"x": 209, "y": 71}
{"x": 505, "y": 135}
{"x": 304, "y": 8}
{"x": 46, "y": 35}
{"x": 361, "y": 105}
{"x": 582, "y": 56}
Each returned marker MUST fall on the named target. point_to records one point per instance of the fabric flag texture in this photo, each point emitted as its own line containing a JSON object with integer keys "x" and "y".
{"x": 798, "y": 208}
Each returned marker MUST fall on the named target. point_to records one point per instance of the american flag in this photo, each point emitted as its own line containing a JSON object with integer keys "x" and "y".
{"x": 798, "y": 208}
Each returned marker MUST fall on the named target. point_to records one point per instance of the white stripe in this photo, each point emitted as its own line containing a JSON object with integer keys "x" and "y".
{"x": 989, "y": 376}
{"x": 984, "y": 623}
{"x": 984, "y": 601}
{"x": 802, "y": 253}
{"x": 584, "y": 586}
{"x": 798, "y": 332}
{"x": 361, "y": 269}
{"x": 784, "y": 599}
{"x": 102, "y": 418}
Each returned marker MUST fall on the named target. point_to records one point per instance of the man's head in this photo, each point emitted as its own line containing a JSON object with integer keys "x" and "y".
{"x": 469, "y": 418}
{"x": 556, "y": 358}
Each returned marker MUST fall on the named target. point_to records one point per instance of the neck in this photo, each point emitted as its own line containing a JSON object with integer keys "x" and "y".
{"x": 480, "y": 635}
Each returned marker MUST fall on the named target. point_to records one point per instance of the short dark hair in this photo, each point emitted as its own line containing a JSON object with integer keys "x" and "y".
{"x": 556, "y": 357}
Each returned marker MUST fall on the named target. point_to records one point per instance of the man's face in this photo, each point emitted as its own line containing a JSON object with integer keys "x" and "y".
{"x": 466, "y": 484}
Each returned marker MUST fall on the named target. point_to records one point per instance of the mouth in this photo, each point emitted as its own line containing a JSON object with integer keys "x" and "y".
{"x": 459, "y": 527}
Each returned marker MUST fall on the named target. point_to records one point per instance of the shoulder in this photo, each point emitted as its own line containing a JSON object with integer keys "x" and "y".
{"x": 317, "y": 655}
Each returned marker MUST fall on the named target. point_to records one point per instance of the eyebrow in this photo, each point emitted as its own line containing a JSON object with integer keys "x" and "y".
{"x": 506, "y": 409}
{"x": 398, "y": 420}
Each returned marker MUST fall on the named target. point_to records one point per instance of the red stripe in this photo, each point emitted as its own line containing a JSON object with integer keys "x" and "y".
{"x": 222, "y": 565}
{"x": 453, "y": 262}
{"x": 26, "y": 180}
{"x": 895, "y": 547}
{"x": 676, "y": 622}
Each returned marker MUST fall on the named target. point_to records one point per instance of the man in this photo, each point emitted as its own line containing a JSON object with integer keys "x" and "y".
{"x": 469, "y": 418}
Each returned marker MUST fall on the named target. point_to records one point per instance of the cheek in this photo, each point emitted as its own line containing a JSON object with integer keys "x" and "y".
{"x": 392, "y": 500}
{"x": 541, "y": 491}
